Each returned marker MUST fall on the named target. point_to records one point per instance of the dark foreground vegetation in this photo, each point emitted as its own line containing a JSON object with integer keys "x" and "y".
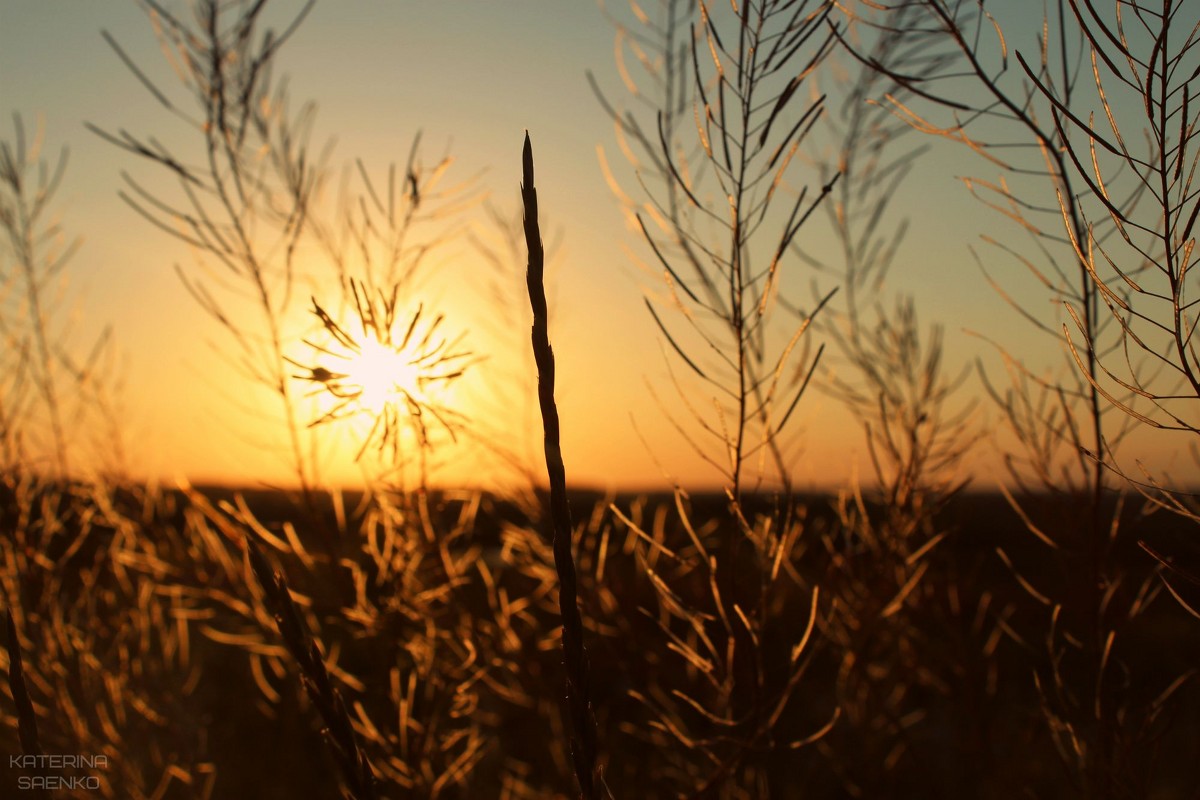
{"x": 146, "y": 637}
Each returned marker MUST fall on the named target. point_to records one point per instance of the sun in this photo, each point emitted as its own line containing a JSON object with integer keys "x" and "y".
{"x": 382, "y": 375}
{"x": 395, "y": 376}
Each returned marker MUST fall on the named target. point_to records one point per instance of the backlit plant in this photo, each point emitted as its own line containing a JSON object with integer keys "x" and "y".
{"x": 396, "y": 375}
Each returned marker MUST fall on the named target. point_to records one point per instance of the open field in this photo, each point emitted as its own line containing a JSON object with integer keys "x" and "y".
{"x": 178, "y": 676}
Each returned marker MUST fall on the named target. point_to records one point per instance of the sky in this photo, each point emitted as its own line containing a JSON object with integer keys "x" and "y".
{"x": 472, "y": 77}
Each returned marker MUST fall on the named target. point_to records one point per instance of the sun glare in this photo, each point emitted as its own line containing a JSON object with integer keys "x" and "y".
{"x": 394, "y": 377}
{"x": 383, "y": 374}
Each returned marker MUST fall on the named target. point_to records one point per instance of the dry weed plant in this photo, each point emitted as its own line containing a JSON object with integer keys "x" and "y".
{"x": 104, "y": 650}
{"x": 1097, "y": 715}
{"x": 381, "y": 240}
{"x": 893, "y": 593}
{"x": 56, "y": 398}
{"x": 381, "y": 231}
{"x": 243, "y": 194}
{"x": 725, "y": 114}
{"x": 247, "y": 207}
{"x": 724, "y": 109}
{"x": 390, "y": 371}
{"x": 251, "y": 199}
{"x": 102, "y": 656}
{"x": 38, "y": 256}
{"x": 1144, "y": 63}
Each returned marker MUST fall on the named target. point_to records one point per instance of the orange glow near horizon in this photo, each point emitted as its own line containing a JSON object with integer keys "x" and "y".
{"x": 189, "y": 410}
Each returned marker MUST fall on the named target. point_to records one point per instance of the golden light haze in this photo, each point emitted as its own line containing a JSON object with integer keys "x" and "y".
{"x": 459, "y": 73}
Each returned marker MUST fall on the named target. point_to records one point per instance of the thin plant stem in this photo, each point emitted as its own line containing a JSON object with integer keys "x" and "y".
{"x": 583, "y": 726}
{"x": 26, "y": 718}
{"x": 352, "y": 760}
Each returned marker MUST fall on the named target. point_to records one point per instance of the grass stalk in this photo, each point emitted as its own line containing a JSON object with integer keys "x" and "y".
{"x": 583, "y": 726}
{"x": 26, "y": 718}
{"x": 351, "y": 759}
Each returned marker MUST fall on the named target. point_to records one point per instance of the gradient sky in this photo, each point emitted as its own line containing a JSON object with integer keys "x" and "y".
{"x": 472, "y": 76}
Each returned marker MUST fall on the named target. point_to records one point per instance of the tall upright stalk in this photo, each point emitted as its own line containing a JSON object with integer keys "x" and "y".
{"x": 583, "y": 726}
